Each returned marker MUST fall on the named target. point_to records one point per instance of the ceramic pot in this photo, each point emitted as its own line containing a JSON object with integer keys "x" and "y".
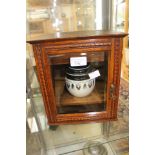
{"x": 78, "y": 82}
{"x": 80, "y": 88}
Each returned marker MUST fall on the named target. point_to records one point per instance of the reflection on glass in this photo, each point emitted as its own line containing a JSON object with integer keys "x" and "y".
{"x": 80, "y": 89}
{"x": 49, "y": 16}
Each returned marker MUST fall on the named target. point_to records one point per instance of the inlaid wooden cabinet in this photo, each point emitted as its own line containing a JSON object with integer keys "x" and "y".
{"x": 79, "y": 75}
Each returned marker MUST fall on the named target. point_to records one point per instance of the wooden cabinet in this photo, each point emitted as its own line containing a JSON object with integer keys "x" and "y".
{"x": 55, "y": 53}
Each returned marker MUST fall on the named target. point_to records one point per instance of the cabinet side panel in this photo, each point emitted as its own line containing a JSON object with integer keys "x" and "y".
{"x": 117, "y": 70}
{"x": 40, "y": 73}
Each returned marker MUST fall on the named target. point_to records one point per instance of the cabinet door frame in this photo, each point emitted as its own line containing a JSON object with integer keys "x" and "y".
{"x": 42, "y": 52}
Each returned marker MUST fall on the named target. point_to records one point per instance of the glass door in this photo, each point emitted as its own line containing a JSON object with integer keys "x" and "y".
{"x": 79, "y": 82}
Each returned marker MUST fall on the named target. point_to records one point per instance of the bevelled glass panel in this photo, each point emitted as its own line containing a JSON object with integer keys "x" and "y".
{"x": 79, "y": 81}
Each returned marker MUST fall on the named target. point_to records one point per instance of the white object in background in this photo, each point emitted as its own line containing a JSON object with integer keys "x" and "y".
{"x": 43, "y": 121}
{"x": 32, "y": 124}
{"x": 78, "y": 61}
{"x": 98, "y": 18}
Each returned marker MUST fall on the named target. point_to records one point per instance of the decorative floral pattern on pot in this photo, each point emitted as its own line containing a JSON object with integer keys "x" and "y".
{"x": 78, "y": 82}
{"x": 80, "y": 88}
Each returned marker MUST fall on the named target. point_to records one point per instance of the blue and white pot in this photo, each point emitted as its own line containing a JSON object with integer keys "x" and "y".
{"x": 78, "y": 82}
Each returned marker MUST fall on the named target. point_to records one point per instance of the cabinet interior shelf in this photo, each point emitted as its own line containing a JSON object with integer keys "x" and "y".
{"x": 98, "y": 95}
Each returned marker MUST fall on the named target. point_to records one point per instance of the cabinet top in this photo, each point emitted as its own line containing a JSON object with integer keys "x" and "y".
{"x": 75, "y": 35}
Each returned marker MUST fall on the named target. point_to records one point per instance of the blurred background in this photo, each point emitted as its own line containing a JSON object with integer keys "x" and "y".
{"x": 50, "y": 16}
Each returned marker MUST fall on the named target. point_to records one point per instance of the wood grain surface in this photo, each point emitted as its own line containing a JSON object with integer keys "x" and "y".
{"x": 79, "y": 42}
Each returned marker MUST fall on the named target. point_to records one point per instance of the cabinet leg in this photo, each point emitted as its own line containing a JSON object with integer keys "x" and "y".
{"x": 53, "y": 127}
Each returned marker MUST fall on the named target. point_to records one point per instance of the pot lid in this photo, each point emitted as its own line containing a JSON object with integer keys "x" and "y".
{"x": 79, "y": 71}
